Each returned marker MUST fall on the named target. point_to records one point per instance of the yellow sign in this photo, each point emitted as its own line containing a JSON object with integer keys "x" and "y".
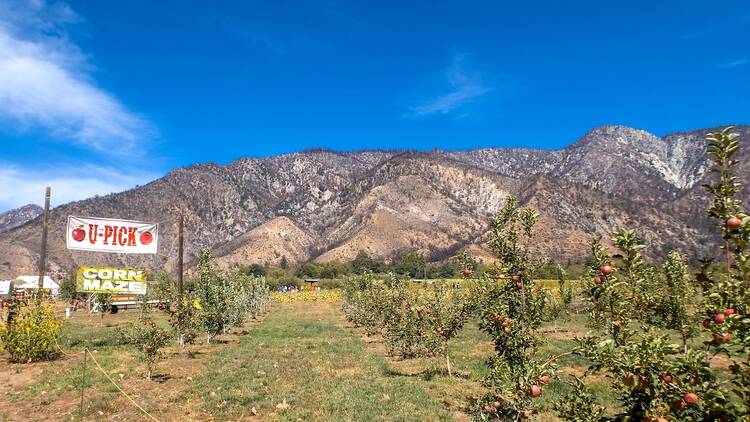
{"x": 111, "y": 280}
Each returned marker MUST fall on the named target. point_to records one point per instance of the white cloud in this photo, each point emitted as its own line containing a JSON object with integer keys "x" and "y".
{"x": 466, "y": 86}
{"x": 45, "y": 82}
{"x": 734, "y": 63}
{"x": 21, "y": 186}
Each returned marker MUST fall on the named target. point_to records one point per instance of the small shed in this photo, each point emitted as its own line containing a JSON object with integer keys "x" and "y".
{"x": 312, "y": 282}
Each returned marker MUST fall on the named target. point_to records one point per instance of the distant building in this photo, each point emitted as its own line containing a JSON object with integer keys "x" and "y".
{"x": 25, "y": 282}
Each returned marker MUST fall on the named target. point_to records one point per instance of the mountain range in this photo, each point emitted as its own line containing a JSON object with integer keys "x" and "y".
{"x": 325, "y": 205}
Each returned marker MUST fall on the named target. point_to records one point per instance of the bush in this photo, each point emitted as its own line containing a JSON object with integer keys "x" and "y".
{"x": 33, "y": 333}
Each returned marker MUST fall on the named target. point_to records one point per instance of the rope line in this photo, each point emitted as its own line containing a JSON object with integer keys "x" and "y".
{"x": 86, "y": 350}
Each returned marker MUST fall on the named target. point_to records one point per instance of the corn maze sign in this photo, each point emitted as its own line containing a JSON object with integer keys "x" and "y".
{"x": 111, "y": 280}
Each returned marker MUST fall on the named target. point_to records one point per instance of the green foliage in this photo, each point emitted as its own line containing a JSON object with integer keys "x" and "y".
{"x": 631, "y": 305}
{"x": 412, "y": 264}
{"x": 412, "y": 322}
{"x": 252, "y": 270}
{"x": 147, "y": 338}
{"x": 224, "y": 300}
{"x": 68, "y": 289}
{"x": 511, "y": 308}
{"x": 33, "y": 333}
{"x": 184, "y": 309}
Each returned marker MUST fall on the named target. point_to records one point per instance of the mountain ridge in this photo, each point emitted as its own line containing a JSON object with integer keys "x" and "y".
{"x": 333, "y": 203}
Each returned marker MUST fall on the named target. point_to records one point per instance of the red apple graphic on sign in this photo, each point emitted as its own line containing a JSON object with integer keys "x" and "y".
{"x": 78, "y": 234}
{"x": 146, "y": 238}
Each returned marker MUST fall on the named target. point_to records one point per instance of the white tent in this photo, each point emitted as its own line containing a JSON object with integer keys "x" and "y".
{"x": 32, "y": 282}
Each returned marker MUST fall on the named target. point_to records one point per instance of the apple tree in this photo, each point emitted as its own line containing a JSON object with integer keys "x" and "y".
{"x": 511, "y": 309}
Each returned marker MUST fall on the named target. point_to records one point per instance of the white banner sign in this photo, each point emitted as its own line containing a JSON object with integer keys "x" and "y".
{"x": 111, "y": 235}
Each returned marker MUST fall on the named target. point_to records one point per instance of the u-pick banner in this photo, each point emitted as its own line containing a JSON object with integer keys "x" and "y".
{"x": 111, "y": 235}
{"x": 111, "y": 280}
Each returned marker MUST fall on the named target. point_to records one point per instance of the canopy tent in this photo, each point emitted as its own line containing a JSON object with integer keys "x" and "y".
{"x": 32, "y": 282}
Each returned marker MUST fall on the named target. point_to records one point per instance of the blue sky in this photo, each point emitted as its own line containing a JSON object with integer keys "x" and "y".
{"x": 97, "y": 97}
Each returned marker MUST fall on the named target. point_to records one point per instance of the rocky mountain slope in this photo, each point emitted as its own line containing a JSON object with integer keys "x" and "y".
{"x": 326, "y": 205}
{"x": 19, "y": 216}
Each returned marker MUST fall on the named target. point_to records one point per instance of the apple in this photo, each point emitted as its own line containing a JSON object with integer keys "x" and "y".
{"x": 606, "y": 269}
{"x": 78, "y": 234}
{"x": 733, "y": 223}
{"x": 507, "y": 330}
{"x": 667, "y": 378}
{"x": 506, "y": 322}
{"x": 487, "y": 408}
{"x": 516, "y": 277}
{"x": 527, "y": 414}
{"x": 598, "y": 281}
{"x": 706, "y": 323}
{"x": 724, "y": 338}
{"x": 691, "y": 398}
{"x": 729, "y": 311}
{"x": 536, "y": 391}
{"x": 467, "y": 272}
{"x": 719, "y": 318}
{"x": 545, "y": 379}
{"x": 519, "y": 286}
{"x": 429, "y": 354}
{"x": 496, "y": 404}
{"x": 146, "y": 238}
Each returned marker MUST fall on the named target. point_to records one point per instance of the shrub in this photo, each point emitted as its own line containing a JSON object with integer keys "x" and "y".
{"x": 33, "y": 333}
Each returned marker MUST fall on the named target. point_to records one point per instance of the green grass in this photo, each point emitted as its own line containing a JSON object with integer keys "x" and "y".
{"x": 302, "y": 362}
{"x": 302, "y": 356}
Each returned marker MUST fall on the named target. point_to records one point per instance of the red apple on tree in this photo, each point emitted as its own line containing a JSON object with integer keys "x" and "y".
{"x": 606, "y": 270}
{"x": 719, "y": 318}
{"x": 536, "y": 391}
{"x": 467, "y": 272}
{"x": 691, "y": 398}
{"x": 598, "y": 281}
{"x": 729, "y": 311}
{"x": 667, "y": 378}
{"x": 146, "y": 238}
{"x": 78, "y": 234}
{"x": 733, "y": 223}
{"x": 545, "y": 379}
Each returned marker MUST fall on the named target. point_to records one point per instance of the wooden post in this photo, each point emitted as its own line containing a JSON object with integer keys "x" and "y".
{"x": 181, "y": 251}
{"x": 45, "y": 226}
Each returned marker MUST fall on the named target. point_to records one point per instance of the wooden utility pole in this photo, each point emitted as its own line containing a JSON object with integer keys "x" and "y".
{"x": 45, "y": 227}
{"x": 181, "y": 251}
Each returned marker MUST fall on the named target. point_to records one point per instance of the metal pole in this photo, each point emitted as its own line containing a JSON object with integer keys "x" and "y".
{"x": 45, "y": 226}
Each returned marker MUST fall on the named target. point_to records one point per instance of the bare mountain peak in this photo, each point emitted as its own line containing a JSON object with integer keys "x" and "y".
{"x": 19, "y": 216}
